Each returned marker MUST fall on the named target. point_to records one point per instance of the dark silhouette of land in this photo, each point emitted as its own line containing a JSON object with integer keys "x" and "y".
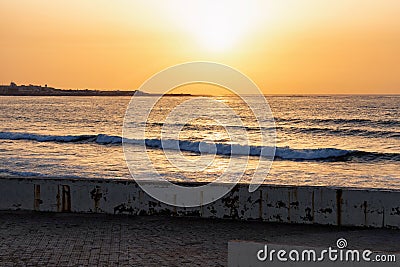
{"x": 38, "y": 90}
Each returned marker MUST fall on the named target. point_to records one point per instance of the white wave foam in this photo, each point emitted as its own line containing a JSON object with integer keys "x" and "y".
{"x": 226, "y": 149}
{"x": 21, "y": 173}
{"x": 44, "y": 138}
{"x": 310, "y": 154}
{"x": 108, "y": 139}
{"x": 286, "y": 153}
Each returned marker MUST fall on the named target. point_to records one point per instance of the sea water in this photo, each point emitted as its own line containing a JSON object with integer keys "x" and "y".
{"x": 350, "y": 141}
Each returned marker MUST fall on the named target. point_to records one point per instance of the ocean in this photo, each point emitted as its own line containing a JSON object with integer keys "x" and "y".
{"x": 345, "y": 141}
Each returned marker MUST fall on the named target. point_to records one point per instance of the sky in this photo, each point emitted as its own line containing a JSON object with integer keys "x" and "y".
{"x": 285, "y": 47}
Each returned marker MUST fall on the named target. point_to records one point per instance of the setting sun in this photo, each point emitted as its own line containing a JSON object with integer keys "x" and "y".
{"x": 217, "y": 25}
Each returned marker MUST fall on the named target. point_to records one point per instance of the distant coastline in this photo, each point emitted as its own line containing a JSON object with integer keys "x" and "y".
{"x": 37, "y": 90}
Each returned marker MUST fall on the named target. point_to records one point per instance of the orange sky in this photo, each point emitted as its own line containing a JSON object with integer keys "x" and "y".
{"x": 286, "y": 47}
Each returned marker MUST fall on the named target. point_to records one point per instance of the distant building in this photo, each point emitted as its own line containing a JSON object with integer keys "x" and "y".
{"x": 37, "y": 90}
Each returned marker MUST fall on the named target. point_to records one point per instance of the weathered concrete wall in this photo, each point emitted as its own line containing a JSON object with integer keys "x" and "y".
{"x": 288, "y": 204}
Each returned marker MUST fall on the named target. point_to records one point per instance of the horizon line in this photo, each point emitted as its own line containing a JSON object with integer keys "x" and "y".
{"x": 195, "y": 94}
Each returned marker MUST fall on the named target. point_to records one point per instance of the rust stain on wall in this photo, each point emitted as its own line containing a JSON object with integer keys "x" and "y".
{"x": 339, "y": 206}
{"x": 36, "y": 199}
{"x": 96, "y": 194}
{"x": 66, "y": 199}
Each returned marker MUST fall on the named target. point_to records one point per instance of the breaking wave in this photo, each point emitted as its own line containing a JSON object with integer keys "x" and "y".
{"x": 283, "y": 153}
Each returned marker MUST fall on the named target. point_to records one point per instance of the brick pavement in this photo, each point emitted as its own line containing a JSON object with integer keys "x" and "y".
{"x": 62, "y": 239}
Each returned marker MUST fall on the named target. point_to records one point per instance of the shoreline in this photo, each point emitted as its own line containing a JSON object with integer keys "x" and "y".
{"x": 194, "y": 183}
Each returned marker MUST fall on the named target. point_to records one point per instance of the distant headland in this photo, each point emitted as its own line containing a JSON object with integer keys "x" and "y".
{"x": 37, "y": 90}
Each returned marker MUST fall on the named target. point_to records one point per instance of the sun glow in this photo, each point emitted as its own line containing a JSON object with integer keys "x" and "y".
{"x": 218, "y": 25}
{"x": 216, "y": 31}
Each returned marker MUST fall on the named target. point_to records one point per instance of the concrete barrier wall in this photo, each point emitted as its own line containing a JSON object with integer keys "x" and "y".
{"x": 287, "y": 204}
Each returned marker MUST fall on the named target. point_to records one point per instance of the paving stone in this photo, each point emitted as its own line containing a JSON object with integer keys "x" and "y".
{"x": 56, "y": 239}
